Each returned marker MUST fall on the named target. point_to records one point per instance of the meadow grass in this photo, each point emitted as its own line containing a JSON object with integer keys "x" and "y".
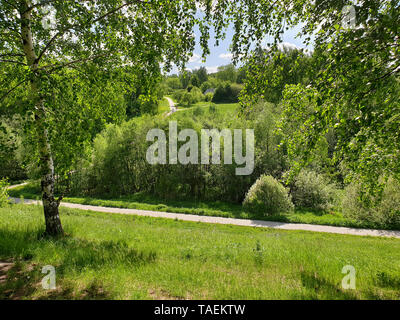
{"x": 112, "y": 256}
{"x": 143, "y": 201}
{"x": 163, "y": 106}
{"x": 225, "y": 108}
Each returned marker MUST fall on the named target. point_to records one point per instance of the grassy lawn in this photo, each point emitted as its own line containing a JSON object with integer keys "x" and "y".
{"x": 217, "y": 209}
{"x": 163, "y": 106}
{"x": 115, "y": 256}
{"x": 222, "y": 107}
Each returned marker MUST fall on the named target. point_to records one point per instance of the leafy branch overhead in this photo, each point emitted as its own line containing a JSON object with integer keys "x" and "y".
{"x": 67, "y": 65}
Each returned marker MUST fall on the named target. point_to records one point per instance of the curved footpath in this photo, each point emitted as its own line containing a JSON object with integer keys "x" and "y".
{"x": 231, "y": 221}
{"x": 172, "y": 106}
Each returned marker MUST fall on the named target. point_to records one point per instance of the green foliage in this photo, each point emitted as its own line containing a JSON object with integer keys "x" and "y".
{"x": 118, "y": 166}
{"x": 3, "y": 192}
{"x": 208, "y": 96}
{"x": 195, "y": 81}
{"x": 148, "y": 104}
{"x": 227, "y": 73}
{"x": 211, "y": 83}
{"x": 268, "y": 74}
{"x": 269, "y": 196}
{"x": 184, "y": 78}
{"x": 12, "y": 154}
{"x": 382, "y": 209}
{"x": 173, "y": 83}
{"x": 268, "y": 157}
{"x": 201, "y": 75}
{"x": 227, "y": 93}
{"x": 188, "y": 98}
{"x": 355, "y": 90}
{"x": 312, "y": 190}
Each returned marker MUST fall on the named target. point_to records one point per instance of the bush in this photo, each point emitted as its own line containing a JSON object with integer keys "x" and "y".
{"x": 382, "y": 209}
{"x": 197, "y": 94}
{"x": 117, "y": 165}
{"x": 312, "y": 190}
{"x": 227, "y": 93}
{"x": 269, "y": 196}
{"x": 192, "y": 97}
{"x": 3, "y": 192}
{"x": 12, "y": 149}
{"x": 178, "y": 94}
{"x": 208, "y": 96}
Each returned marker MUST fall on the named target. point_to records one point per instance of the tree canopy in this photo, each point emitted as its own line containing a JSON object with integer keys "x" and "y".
{"x": 65, "y": 66}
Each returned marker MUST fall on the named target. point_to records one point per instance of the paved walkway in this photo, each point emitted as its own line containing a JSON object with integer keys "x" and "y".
{"x": 172, "y": 106}
{"x": 231, "y": 221}
{"x": 17, "y": 185}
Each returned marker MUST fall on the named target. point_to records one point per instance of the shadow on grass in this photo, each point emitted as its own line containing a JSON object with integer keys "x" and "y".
{"x": 70, "y": 255}
{"x": 323, "y": 288}
{"x": 24, "y": 280}
{"x": 386, "y": 280}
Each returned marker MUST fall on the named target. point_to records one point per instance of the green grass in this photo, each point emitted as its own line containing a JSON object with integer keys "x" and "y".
{"x": 111, "y": 256}
{"x": 218, "y": 209}
{"x": 230, "y": 108}
{"x": 163, "y": 106}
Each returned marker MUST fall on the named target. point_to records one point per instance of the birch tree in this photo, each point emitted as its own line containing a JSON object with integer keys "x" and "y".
{"x": 42, "y": 40}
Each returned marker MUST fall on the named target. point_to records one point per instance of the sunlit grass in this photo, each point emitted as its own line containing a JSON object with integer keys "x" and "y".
{"x": 225, "y": 108}
{"x": 163, "y": 106}
{"x": 111, "y": 256}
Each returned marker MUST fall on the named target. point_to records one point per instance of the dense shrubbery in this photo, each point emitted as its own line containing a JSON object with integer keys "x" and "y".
{"x": 268, "y": 196}
{"x": 11, "y": 149}
{"x": 208, "y": 96}
{"x": 227, "y": 93}
{"x": 118, "y": 165}
{"x": 143, "y": 104}
{"x": 383, "y": 209}
{"x": 312, "y": 190}
{"x": 189, "y": 96}
{"x": 3, "y": 192}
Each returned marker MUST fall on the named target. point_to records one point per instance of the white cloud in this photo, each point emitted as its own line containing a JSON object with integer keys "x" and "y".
{"x": 287, "y": 45}
{"x": 195, "y": 58}
{"x": 290, "y": 46}
{"x": 226, "y": 56}
{"x": 212, "y": 69}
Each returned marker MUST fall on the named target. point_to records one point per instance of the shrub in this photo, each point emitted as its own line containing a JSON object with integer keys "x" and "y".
{"x": 178, "y": 94}
{"x": 148, "y": 104}
{"x": 208, "y": 96}
{"x": 3, "y": 192}
{"x": 187, "y": 99}
{"x": 382, "y": 209}
{"x": 197, "y": 94}
{"x": 268, "y": 196}
{"x": 12, "y": 149}
{"x": 227, "y": 93}
{"x": 191, "y": 97}
{"x": 313, "y": 190}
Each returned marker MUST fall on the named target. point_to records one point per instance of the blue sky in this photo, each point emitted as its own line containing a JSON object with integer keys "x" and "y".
{"x": 220, "y": 55}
